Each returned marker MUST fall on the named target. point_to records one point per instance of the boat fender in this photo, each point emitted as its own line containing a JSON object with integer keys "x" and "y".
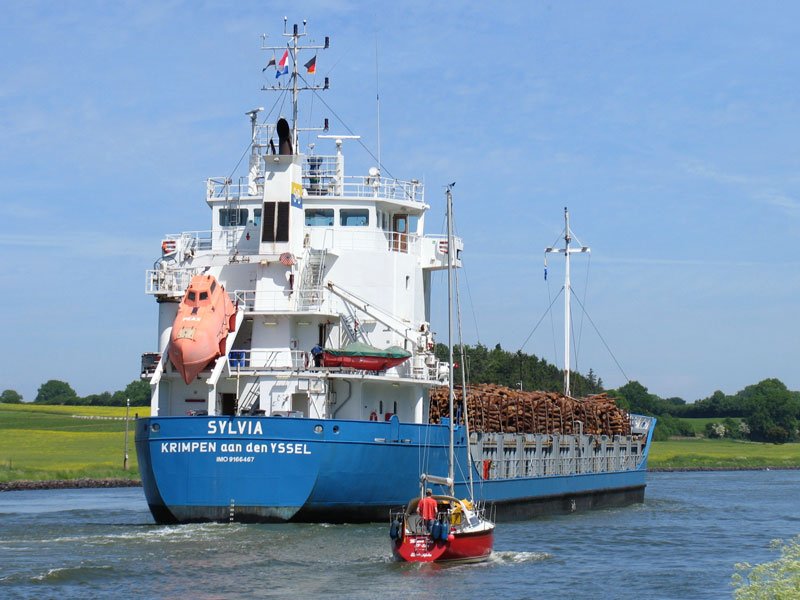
{"x": 436, "y": 531}
{"x": 373, "y": 416}
{"x": 394, "y": 529}
{"x": 444, "y": 530}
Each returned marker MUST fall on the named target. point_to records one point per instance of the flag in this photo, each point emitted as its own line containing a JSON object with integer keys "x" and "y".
{"x": 283, "y": 65}
{"x": 311, "y": 66}
{"x": 269, "y": 64}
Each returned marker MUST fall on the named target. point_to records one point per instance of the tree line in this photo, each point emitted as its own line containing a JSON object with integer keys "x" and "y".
{"x": 55, "y": 391}
{"x": 766, "y": 411}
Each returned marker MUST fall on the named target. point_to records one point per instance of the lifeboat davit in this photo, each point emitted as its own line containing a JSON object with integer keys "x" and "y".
{"x": 205, "y": 316}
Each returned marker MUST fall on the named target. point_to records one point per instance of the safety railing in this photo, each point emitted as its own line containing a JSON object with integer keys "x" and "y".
{"x": 265, "y": 360}
{"x": 362, "y": 239}
{"x": 168, "y": 282}
{"x": 569, "y": 461}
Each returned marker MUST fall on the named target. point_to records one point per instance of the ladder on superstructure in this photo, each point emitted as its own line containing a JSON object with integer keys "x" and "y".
{"x": 310, "y": 290}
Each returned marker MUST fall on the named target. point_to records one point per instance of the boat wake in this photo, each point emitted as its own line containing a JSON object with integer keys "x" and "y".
{"x": 509, "y": 557}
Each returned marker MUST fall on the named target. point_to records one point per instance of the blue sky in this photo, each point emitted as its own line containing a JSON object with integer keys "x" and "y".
{"x": 670, "y": 130}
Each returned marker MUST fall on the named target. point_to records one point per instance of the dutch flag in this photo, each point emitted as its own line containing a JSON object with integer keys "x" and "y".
{"x": 283, "y": 65}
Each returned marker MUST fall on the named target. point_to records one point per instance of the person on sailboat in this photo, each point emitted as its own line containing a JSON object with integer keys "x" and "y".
{"x": 427, "y": 509}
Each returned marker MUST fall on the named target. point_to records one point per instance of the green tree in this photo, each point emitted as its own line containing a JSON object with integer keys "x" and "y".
{"x": 635, "y": 397}
{"x": 101, "y": 399}
{"x": 138, "y": 391}
{"x": 55, "y": 392}
{"x": 774, "y": 411}
{"x": 11, "y": 397}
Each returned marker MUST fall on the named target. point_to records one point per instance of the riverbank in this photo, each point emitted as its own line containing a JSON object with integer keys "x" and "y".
{"x": 16, "y": 486}
{"x": 58, "y": 484}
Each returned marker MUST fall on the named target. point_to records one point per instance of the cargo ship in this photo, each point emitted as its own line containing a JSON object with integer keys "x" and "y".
{"x": 295, "y": 365}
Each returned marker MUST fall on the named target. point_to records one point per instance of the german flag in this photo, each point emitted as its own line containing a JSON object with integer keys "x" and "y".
{"x": 311, "y": 66}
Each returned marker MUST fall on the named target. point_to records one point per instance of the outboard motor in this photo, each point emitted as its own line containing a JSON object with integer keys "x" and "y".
{"x": 284, "y": 137}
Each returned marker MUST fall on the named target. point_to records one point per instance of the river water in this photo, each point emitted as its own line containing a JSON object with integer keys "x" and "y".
{"x": 683, "y": 542}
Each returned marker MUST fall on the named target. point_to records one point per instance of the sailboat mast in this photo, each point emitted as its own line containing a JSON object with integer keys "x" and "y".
{"x": 567, "y": 290}
{"x": 450, "y": 249}
{"x": 462, "y": 358}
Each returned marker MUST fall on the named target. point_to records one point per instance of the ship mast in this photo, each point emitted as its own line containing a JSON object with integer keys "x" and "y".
{"x": 566, "y": 251}
{"x": 293, "y": 47}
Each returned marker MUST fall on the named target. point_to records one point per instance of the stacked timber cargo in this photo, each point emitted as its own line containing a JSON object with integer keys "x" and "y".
{"x": 495, "y": 408}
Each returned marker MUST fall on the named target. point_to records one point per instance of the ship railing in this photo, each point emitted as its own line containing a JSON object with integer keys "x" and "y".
{"x": 169, "y": 282}
{"x": 266, "y": 360}
{"x": 240, "y": 360}
{"x": 191, "y": 241}
{"x": 253, "y": 301}
{"x": 352, "y": 238}
{"x": 225, "y": 188}
{"x": 357, "y": 186}
{"x": 511, "y": 467}
{"x": 221, "y": 241}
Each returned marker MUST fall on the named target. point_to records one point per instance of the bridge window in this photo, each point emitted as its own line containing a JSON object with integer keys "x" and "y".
{"x": 354, "y": 217}
{"x": 319, "y": 217}
{"x": 257, "y": 216}
{"x": 232, "y": 217}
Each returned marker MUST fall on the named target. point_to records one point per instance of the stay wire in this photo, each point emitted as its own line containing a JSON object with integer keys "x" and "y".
{"x": 602, "y": 339}
{"x": 281, "y": 96}
{"x": 350, "y": 131}
{"x": 535, "y": 327}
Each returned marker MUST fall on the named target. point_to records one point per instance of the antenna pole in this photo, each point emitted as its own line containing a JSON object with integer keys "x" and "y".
{"x": 378, "y": 101}
{"x": 295, "y": 37}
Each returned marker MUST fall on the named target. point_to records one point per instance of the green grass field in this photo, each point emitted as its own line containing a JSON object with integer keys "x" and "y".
{"x": 704, "y": 453}
{"x": 699, "y": 425}
{"x": 51, "y": 442}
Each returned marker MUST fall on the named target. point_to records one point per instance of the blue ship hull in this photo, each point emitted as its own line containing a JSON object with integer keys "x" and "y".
{"x": 275, "y": 469}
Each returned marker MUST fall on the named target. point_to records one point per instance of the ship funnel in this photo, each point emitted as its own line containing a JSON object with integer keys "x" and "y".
{"x": 284, "y": 137}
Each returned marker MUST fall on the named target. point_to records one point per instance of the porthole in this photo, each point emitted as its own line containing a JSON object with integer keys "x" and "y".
{"x": 335, "y": 429}
{"x": 155, "y": 427}
{"x": 317, "y": 428}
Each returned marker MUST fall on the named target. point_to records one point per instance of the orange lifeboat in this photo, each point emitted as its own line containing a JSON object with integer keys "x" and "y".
{"x": 205, "y": 316}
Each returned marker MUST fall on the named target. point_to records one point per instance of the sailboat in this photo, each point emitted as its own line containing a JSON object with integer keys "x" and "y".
{"x": 460, "y": 530}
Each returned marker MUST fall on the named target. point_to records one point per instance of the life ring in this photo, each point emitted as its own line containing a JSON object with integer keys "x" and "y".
{"x": 168, "y": 246}
{"x": 373, "y": 416}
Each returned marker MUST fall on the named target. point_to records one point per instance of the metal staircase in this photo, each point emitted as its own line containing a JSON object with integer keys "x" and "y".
{"x": 349, "y": 323}
{"x": 246, "y": 403}
{"x": 310, "y": 290}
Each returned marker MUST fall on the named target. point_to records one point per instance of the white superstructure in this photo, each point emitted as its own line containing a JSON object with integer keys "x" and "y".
{"x": 311, "y": 256}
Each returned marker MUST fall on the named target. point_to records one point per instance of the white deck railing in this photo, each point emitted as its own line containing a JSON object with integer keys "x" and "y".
{"x": 250, "y": 361}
